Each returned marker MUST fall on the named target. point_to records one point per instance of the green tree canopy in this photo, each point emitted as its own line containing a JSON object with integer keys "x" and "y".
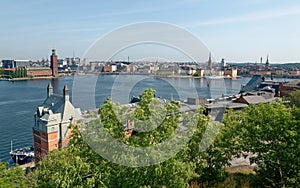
{"x": 270, "y": 132}
{"x": 12, "y": 176}
{"x": 294, "y": 98}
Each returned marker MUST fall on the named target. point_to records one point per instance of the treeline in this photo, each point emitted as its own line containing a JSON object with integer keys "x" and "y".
{"x": 19, "y": 72}
{"x": 268, "y": 132}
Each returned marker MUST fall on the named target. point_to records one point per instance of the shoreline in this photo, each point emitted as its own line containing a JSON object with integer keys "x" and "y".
{"x": 25, "y": 79}
{"x": 125, "y": 73}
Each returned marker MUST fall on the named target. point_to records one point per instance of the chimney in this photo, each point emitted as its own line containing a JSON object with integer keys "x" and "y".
{"x": 66, "y": 93}
{"x": 49, "y": 90}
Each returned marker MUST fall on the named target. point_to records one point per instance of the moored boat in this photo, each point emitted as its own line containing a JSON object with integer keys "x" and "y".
{"x": 22, "y": 155}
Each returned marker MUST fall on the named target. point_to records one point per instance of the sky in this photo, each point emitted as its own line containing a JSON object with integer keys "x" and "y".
{"x": 239, "y": 31}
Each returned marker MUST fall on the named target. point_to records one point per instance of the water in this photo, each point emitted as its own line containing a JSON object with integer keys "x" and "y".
{"x": 19, "y": 99}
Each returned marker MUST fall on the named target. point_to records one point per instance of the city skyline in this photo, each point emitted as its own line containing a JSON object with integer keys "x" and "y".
{"x": 238, "y": 32}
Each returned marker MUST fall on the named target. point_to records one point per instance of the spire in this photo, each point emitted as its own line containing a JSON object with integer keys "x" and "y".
{"x": 209, "y": 62}
{"x": 267, "y": 62}
{"x": 49, "y": 90}
{"x": 66, "y": 93}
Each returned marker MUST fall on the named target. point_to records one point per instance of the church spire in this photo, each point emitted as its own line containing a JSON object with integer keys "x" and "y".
{"x": 267, "y": 62}
{"x": 209, "y": 62}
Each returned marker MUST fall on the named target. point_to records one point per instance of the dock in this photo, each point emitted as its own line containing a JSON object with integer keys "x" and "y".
{"x": 28, "y": 165}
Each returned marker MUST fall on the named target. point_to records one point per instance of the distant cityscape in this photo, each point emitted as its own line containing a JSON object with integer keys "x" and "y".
{"x": 55, "y": 67}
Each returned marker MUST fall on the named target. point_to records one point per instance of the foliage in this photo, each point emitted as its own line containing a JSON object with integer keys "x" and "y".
{"x": 270, "y": 132}
{"x": 12, "y": 177}
{"x": 1, "y": 72}
{"x": 210, "y": 151}
{"x": 79, "y": 160}
{"x": 20, "y": 72}
{"x": 64, "y": 169}
{"x": 294, "y": 98}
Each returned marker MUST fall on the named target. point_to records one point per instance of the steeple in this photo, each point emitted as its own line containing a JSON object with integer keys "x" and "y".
{"x": 209, "y": 63}
{"x": 267, "y": 62}
{"x": 66, "y": 93}
{"x": 49, "y": 90}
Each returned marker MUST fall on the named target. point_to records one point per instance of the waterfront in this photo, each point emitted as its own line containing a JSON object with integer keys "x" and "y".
{"x": 19, "y": 100}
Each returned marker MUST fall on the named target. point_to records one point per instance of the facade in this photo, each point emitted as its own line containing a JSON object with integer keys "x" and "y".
{"x": 286, "y": 88}
{"x": 54, "y": 63}
{"x": 52, "y": 122}
{"x": 8, "y": 63}
{"x": 231, "y": 73}
{"x": 21, "y": 63}
{"x": 110, "y": 68}
{"x": 39, "y": 71}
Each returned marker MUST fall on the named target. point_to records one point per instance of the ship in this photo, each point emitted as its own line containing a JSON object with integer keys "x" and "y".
{"x": 22, "y": 155}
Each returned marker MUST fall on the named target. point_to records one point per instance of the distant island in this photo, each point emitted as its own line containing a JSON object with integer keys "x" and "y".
{"x": 53, "y": 68}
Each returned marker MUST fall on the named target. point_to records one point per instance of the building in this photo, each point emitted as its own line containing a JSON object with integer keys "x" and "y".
{"x": 251, "y": 99}
{"x": 8, "y": 63}
{"x": 21, "y": 63}
{"x": 223, "y": 64}
{"x": 209, "y": 63}
{"x": 39, "y": 71}
{"x": 286, "y": 88}
{"x": 231, "y": 72}
{"x": 110, "y": 68}
{"x": 54, "y": 63}
{"x": 52, "y": 120}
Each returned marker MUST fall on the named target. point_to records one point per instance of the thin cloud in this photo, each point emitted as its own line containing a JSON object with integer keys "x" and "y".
{"x": 129, "y": 12}
{"x": 255, "y": 16}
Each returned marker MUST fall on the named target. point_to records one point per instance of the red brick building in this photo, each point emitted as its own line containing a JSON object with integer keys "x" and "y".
{"x": 286, "y": 88}
{"x": 39, "y": 71}
{"x": 52, "y": 120}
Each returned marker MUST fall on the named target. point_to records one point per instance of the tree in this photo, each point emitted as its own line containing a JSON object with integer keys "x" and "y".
{"x": 63, "y": 168}
{"x": 294, "y": 98}
{"x": 271, "y": 133}
{"x": 1, "y": 72}
{"x": 210, "y": 150}
{"x": 12, "y": 176}
{"x": 17, "y": 72}
{"x": 79, "y": 165}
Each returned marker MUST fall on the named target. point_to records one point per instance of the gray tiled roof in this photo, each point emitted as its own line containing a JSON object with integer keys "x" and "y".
{"x": 57, "y": 104}
{"x": 255, "y": 99}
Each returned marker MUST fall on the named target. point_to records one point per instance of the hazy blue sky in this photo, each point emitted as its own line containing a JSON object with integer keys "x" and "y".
{"x": 239, "y": 31}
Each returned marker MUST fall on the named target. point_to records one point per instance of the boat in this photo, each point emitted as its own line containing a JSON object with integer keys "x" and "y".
{"x": 22, "y": 155}
{"x": 214, "y": 77}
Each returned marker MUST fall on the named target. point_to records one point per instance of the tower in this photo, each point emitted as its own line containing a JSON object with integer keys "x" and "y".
{"x": 49, "y": 90}
{"x": 66, "y": 93}
{"x": 267, "y": 62}
{"x": 223, "y": 64}
{"x": 54, "y": 63}
{"x": 209, "y": 63}
{"x": 52, "y": 121}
